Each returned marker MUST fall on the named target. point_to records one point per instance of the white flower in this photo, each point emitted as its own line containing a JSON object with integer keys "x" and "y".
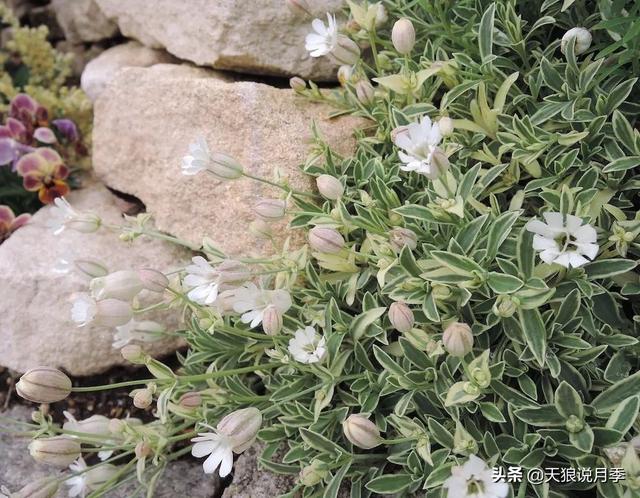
{"x": 206, "y": 281}
{"x": 563, "y": 239}
{"x": 84, "y": 309}
{"x": 106, "y": 313}
{"x": 474, "y": 480}
{"x": 252, "y": 302}
{"x": 78, "y": 484}
{"x": 143, "y": 331}
{"x": 325, "y": 38}
{"x": 307, "y": 346}
{"x": 419, "y": 141}
{"x": 62, "y": 216}
{"x": 198, "y": 159}
{"x": 220, "y": 450}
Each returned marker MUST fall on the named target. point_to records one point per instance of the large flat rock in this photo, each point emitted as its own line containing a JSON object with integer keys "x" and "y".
{"x": 261, "y": 38}
{"x": 35, "y": 299}
{"x": 146, "y": 118}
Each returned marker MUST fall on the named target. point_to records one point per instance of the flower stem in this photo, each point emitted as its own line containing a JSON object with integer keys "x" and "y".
{"x": 287, "y": 189}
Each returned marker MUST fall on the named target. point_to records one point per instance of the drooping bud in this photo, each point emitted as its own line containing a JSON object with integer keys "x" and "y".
{"x": 134, "y": 354}
{"x": 46, "y": 487}
{"x": 401, "y": 317}
{"x": 271, "y": 320}
{"x": 91, "y": 268}
{"x": 242, "y": 427}
{"x": 142, "y": 398}
{"x": 400, "y": 237}
{"x": 329, "y": 187}
{"x": 44, "y": 385}
{"x": 403, "y": 36}
{"x": 346, "y": 51}
{"x": 297, "y": 84}
{"x": 446, "y": 126}
{"x": 123, "y": 285}
{"x": 361, "y": 432}
{"x": 190, "y": 400}
{"x": 153, "y": 280}
{"x": 365, "y": 92}
{"x": 457, "y": 339}
{"x": 60, "y": 451}
{"x": 270, "y": 209}
{"x": 326, "y": 240}
{"x": 345, "y": 73}
{"x": 313, "y": 473}
{"x": 583, "y": 40}
{"x": 225, "y": 167}
{"x": 112, "y": 313}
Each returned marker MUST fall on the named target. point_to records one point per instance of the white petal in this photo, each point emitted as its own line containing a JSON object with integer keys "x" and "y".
{"x": 537, "y": 226}
{"x": 589, "y": 250}
{"x": 576, "y": 261}
{"x": 563, "y": 259}
{"x": 541, "y": 243}
{"x": 227, "y": 464}
{"x": 585, "y": 234}
{"x": 554, "y": 220}
{"x": 319, "y": 27}
{"x": 549, "y": 255}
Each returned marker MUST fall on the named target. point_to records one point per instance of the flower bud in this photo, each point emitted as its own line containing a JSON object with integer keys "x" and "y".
{"x": 143, "y": 450}
{"x": 400, "y": 237}
{"x": 439, "y": 163}
{"x": 326, "y": 240}
{"x": 270, "y": 209}
{"x": 96, "y": 477}
{"x": 225, "y": 167}
{"x": 271, "y": 320}
{"x": 313, "y": 473}
{"x": 93, "y": 269}
{"x": 190, "y": 400}
{"x": 112, "y": 313}
{"x": 329, "y": 187}
{"x": 242, "y": 427}
{"x": 381, "y": 15}
{"x": 123, "y": 285}
{"x": 299, "y": 7}
{"x": 142, "y": 398}
{"x": 583, "y": 40}
{"x": 361, "y": 432}
{"x": 134, "y": 354}
{"x": 458, "y": 339}
{"x": 60, "y": 451}
{"x": 84, "y": 222}
{"x": 46, "y": 487}
{"x": 260, "y": 229}
{"x": 365, "y": 92}
{"x": 297, "y": 84}
{"x": 345, "y": 74}
{"x": 153, "y": 280}
{"x": 446, "y": 126}
{"x": 401, "y": 317}
{"x": 403, "y": 36}
{"x": 346, "y": 51}
{"x": 44, "y": 385}
{"x": 505, "y": 306}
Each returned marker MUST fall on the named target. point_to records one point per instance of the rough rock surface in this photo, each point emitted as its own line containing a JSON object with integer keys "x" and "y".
{"x": 35, "y": 324}
{"x": 83, "y": 21}
{"x": 182, "y": 478}
{"x": 227, "y": 34}
{"x": 101, "y": 70}
{"x": 146, "y": 118}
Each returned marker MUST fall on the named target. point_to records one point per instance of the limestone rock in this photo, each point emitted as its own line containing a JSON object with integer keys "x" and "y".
{"x": 101, "y": 70}
{"x": 35, "y": 324}
{"x": 83, "y": 21}
{"x": 261, "y": 38}
{"x": 181, "y": 478}
{"x": 146, "y": 118}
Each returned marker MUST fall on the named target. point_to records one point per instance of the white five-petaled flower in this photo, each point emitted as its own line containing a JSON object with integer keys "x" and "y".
{"x": 78, "y": 483}
{"x": 64, "y": 216}
{"x": 251, "y": 302}
{"x": 474, "y": 480}
{"x": 307, "y": 346}
{"x": 564, "y": 239}
{"x": 206, "y": 281}
{"x": 324, "y": 39}
{"x": 419, "y": 141}
{"x": 198, "y": 159}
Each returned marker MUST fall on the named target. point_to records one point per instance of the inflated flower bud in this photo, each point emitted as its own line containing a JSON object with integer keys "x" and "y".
{"x": 98, "y": 476}
{"x": 123, "y": 285}
{"x": 271, "y": 320}
{"x": 270, "y": 209}
{"x": 190, "y": 400}
{"x": 153, "y": 280}
{"x": 329, "y": 187}
{"x": 297, "y": 84}
{"x": 142, "y": 398}
{"x": 446, "y": 126}
{"x": 260, "y": 229}
{"x": 133, "y": 353}
{"x": 505, "y": 306}
{"x": 365, "y": 92}
{"x": 361, "y": 432}
{"x": 46, "y": 487}
{"x": 91, "y": 268}
{"x": 242, "y": 427}
{"x": 313, "y": 473}
{"x": 345, "y": 74}
{"x": 439, "y": 163}
{"x": 44, "y": 385}
{"x": 583, "y": 40}
{"x": 112, "y": 313}
{"x": 458, "y": 339}
{"x": 346, "y": 51}
{"x": 143, "y": 450}
{"x": 60, "y": 451}
{"x": 400, "y": 237}
{"x": 381, "y": 15}
{"x": 299, "y": 7}
{"x": 403, "y": 36}
{"x": 326, "y": 240}
{"x": 401, "y": 317}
